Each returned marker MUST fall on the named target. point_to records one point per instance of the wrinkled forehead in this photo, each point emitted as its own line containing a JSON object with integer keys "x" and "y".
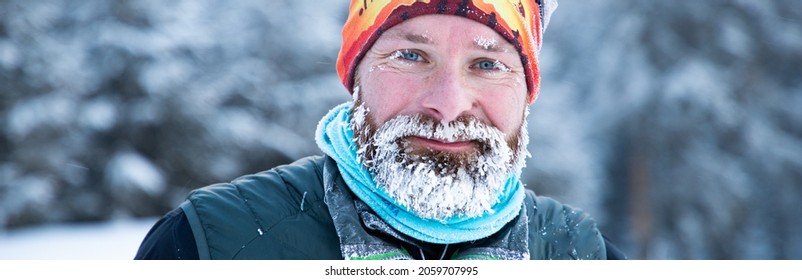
{"x": 424, "y": 30}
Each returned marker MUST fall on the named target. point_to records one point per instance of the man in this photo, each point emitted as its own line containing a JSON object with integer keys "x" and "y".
{"x": 424, "y": 163}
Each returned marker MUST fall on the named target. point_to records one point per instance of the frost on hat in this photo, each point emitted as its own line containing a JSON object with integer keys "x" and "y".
{"x": 521, "y": 22}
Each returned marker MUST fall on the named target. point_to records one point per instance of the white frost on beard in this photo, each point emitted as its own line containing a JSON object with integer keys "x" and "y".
{"x": 355, "y": 95}
{"x": 425, "y": 183}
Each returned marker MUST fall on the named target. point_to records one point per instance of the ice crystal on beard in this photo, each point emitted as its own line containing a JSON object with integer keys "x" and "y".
{"x": 355, "y": 95}
{"x": 358, "y": 118}
{"x": 427, "y": 182}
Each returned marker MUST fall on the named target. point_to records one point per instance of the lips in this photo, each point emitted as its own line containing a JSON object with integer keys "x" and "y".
{"x": 442, "y": 145}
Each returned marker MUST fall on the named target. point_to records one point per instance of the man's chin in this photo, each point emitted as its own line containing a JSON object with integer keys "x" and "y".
{"x": 440, "y": 185}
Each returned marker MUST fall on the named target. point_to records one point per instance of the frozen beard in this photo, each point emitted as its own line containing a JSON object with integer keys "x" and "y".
{"x": 436, "y": 184}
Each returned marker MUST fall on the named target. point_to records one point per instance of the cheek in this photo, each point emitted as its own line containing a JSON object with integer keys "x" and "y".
{"x": 387, "y": 94}
{"x": 505, "y": 113}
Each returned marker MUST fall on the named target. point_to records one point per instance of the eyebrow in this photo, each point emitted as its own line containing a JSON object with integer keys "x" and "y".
{"x": 417, "y": 38}
{"x": 424, "y": 39}
{"x": 411, "y": 37}
{"x": 489, "y": 45}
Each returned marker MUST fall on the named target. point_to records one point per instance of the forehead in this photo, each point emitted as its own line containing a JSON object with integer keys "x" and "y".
{"x": 447, "y": 29}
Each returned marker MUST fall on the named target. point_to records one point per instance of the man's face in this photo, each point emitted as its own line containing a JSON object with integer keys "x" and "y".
{"x": 440, "y": 115}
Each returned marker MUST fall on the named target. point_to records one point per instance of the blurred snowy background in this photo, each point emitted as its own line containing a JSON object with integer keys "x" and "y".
{"x": 677, "y": 124}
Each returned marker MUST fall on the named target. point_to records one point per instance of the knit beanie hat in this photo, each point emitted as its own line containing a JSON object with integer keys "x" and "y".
{"x": 521, "y": 22}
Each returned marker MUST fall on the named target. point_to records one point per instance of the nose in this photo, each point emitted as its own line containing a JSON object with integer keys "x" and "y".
{"x": 447, "y": 96}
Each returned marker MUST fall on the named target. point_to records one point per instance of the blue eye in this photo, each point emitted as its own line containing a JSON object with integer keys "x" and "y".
{"x": 487, "y": 65}
{"x": 492, "y": 66}
{"x": 410, "y": 55}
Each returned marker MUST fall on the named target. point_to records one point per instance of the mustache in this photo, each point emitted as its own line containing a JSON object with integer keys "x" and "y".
{"x": 464, "y": 128}
{"x": 390, "y": 139}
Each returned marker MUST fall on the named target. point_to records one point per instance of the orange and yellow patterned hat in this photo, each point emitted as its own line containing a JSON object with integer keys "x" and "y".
{"x": 521, "y": 22}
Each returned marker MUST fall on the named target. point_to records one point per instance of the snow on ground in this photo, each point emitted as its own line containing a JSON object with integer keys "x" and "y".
{"x": 113, "y": 240}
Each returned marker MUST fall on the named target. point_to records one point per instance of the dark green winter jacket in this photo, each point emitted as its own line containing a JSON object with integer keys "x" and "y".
{"x": 305, "y": 211}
